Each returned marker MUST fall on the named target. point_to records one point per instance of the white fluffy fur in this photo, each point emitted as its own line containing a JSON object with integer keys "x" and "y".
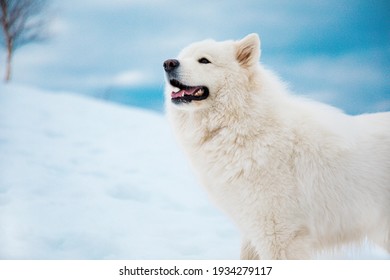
{"x": 296, "y": 176}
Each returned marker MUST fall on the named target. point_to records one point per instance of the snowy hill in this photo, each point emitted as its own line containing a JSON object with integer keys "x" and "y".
{"x": 84, "y": 179}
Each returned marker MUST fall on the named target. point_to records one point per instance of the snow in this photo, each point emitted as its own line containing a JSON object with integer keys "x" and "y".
{"x": 85, "y": 179}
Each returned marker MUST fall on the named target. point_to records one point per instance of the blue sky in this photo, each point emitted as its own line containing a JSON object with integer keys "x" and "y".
{"x": 336, "y": 51}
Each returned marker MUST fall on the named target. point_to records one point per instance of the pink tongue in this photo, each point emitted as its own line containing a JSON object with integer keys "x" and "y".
{"x": 177, "y": 94}
{"x": 188, "y": 91}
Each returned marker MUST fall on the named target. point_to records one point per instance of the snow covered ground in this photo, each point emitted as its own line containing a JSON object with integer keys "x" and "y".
{"x": 84, "y": 179}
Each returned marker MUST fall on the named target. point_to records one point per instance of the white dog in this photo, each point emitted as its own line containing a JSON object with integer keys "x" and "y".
{"x": 296, "y": 176}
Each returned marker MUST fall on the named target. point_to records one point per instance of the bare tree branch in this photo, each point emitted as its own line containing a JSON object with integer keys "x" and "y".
{"x": 22, "y": 23}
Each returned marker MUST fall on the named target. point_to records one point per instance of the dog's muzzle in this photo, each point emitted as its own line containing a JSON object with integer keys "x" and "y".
{"x": 182, "y": 93}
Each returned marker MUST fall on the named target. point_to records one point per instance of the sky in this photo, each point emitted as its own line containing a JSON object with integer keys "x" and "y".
{"x": 334, "y": 51}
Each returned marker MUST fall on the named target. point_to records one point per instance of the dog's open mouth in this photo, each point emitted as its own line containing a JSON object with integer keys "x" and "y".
{"x": 186, "y": 94}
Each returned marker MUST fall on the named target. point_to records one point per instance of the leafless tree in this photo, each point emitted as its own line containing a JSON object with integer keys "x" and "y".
{"x": 22, "y": 22}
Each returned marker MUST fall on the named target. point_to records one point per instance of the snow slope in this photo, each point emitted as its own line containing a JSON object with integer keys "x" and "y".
{"x": 84, "y": 179}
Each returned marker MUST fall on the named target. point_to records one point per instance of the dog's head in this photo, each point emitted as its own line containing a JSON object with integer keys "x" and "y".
{"x": 207, "y": 72}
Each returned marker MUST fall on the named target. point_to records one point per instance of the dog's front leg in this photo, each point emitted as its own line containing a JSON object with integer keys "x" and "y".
{"x": 248, "y": 252}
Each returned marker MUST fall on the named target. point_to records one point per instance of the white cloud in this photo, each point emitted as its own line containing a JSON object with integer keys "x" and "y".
{"x": 339, "y": 71}
{"x": 352, "y": 70}
{"x": 58, "y": 26}
{"x": 119, "y": 4}
{"x": 381, "y": 106}
{"x": 356, "y": 82}
{"x": 129, "y": 78}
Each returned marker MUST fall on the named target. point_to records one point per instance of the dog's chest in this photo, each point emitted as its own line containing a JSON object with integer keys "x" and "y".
{"x": 223, "y": 155}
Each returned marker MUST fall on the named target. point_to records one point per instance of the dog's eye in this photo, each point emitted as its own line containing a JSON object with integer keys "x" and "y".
{"x": 204, "y": 60}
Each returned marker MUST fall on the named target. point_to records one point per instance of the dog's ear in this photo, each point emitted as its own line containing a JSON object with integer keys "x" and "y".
{"x": 248, "y": 50}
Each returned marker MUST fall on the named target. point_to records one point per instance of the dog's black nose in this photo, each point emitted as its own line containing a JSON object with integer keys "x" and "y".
{"x": 171, "y": 64}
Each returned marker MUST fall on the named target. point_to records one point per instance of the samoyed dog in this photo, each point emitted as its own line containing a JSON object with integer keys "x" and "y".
{"x": 297, "y": 177}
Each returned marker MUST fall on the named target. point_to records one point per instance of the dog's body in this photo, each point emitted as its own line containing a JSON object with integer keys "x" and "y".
{"x": 296, "y": 176}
